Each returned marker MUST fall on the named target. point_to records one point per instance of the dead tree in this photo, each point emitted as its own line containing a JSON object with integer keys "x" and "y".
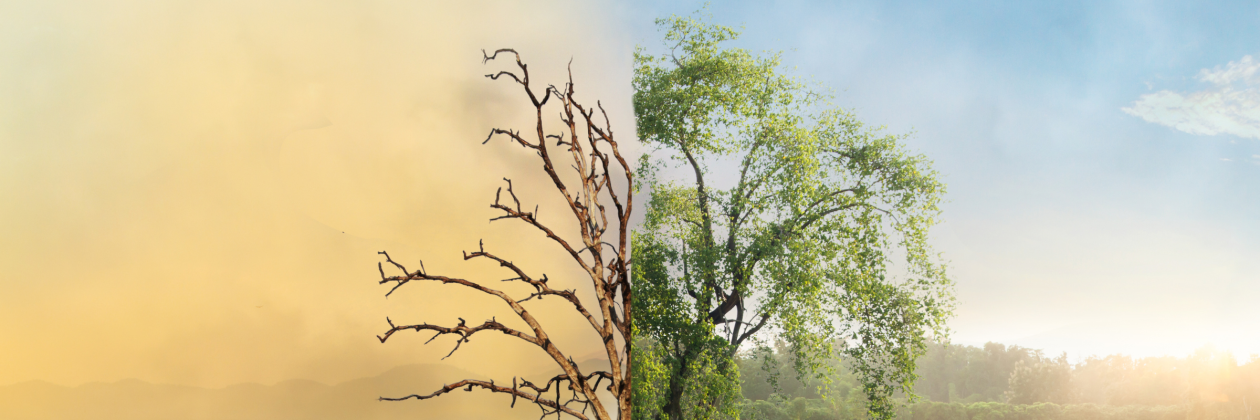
{"x": 595, "y": 160}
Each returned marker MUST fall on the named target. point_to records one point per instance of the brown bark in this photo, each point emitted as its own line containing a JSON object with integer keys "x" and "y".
{"x": 597, "y": 161}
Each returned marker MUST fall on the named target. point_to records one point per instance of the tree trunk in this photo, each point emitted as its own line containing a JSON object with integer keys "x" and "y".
{"x": 677, "y": 381}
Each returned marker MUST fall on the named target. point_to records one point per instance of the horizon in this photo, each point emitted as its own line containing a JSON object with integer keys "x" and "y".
{"x": 1072, "y": 358}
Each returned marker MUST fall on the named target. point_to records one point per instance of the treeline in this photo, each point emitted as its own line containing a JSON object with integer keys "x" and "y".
{"x": 1012, "y": 382}
{"x": 818, "y": 409}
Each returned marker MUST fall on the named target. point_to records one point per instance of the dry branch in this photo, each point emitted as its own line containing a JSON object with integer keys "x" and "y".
{"x": 606, "y": 264}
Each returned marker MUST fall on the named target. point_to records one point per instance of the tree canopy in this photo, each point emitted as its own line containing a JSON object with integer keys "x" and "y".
{"x": 774, "y": 215}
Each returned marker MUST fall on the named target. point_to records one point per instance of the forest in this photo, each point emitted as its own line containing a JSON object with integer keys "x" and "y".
{"x": 959, "y": 382}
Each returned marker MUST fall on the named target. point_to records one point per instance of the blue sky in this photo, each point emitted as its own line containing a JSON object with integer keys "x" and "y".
{"x": 1102, "y": 158}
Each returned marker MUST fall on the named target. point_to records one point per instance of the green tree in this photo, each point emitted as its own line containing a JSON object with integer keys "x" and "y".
{"x": 784, "y": 228}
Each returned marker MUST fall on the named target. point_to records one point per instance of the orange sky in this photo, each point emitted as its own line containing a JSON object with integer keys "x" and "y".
{"x": 177, "y": 177}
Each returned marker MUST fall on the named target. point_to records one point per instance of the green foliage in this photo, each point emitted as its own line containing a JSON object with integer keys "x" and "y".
{"x": 795, "y": 241}
{"x": 675, "y": 358}
{"x": 838, "y": 396}
{"x": 710, "y": 384}
{"x": 800, "y": 408}
{"x": 650, "y": 373}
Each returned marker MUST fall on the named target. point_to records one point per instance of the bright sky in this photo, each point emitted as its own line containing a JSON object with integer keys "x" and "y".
{"x": 1102, "y": 157}
{"x": 176, "y": 177}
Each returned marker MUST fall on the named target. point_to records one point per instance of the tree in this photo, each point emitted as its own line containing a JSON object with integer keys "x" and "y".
{"x": 598, "y": 165}
{"x": 785, "y": 225}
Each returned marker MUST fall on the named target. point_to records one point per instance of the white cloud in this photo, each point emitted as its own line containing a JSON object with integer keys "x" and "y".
{"x": 1236, "y": 71}
{"x": 1231, "y": 105}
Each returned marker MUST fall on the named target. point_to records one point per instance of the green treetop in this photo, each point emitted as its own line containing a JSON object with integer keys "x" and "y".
{"x": 784, "y": 227}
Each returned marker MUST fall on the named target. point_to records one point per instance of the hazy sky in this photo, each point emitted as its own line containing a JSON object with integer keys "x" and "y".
{"x": 177, "y": 176}
{"x": 195, "y": 192}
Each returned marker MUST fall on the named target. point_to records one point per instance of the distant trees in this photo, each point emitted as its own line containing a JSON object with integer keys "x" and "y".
{"x": 1010, "y": 382}
{"x": 957, "y": 373}
{"x": 1205, "y": 378}
{"x": 1041, "y": 379}
{"x": 767, "y": 374}
{"x": 1122, "y": 380}
{"x": 598, "y": 194}
{"x": 931, "y": 410}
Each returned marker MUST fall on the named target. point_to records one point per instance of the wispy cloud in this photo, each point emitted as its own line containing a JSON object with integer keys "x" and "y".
{"x": 1231, "y": 105}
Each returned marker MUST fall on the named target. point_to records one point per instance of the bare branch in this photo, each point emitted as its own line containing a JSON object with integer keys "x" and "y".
{"x": 607, "y": 272}
{"x": 468, "y": 384}
{"x": 513, "y": 134}
{"x": 540, "y": 285}
{"x": 463, "y": 331}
